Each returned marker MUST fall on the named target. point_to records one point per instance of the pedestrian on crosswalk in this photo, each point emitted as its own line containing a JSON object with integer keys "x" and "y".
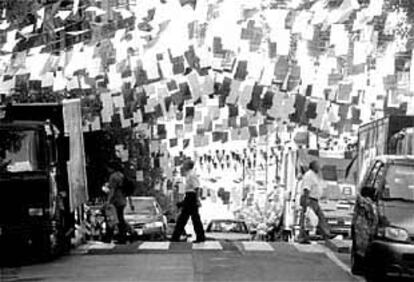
{"x": 116, "y": 201}
{"x": 311, "y": 192}
{"x": 190, "y": 205}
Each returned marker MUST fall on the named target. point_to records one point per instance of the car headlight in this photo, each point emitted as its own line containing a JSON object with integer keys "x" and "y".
{"x": 35, "y": 211}
{"x": 393, "y": 233}
{"x": 157, "y": 224}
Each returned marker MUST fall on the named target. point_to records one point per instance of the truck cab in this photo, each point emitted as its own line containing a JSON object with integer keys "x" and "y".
{"x": 35, "y": 215}
{"x": 31, "y": 202}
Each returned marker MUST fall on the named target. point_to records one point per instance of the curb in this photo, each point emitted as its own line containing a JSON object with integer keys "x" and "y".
{"x": 339, "y": 246}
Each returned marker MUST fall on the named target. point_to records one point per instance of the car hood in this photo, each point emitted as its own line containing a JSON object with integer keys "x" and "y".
{"x": 228, "y": 236}
{"x": 140, "y": 218}
{"x": 399, "y": 214}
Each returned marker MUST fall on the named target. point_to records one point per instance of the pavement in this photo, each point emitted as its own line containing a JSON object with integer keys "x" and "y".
{"x": 339, "y": 246}
{"x": 210, "y": 261}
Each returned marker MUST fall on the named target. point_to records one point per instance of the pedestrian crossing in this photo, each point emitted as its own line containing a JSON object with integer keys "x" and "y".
{"x": 239, "y": 246}
{"x": 154, "y": 246}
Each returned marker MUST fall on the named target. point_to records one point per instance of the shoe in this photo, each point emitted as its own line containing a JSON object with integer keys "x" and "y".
{"x": 330, "y": 237}
{"x": 199, "y": 241}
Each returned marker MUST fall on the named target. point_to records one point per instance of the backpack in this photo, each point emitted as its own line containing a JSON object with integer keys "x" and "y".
{"x": 128, "y": 186}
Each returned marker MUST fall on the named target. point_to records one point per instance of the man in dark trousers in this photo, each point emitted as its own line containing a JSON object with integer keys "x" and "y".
{"x": 311, "y": 193}
{"x": 190, "y": 204}
{"x": 116, "y": 196}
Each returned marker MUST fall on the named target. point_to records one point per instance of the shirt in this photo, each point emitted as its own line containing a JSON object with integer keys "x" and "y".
{"x": 191, "y": 182}
{"x": 313, "y": 183}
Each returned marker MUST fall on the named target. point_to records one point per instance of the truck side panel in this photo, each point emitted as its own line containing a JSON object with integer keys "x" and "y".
{"x": 374, "y": 139}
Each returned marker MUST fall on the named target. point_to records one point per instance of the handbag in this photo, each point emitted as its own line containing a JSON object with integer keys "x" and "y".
{"x": 110, "y": 215}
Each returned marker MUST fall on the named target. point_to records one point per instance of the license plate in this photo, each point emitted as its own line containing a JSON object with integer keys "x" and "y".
{"x": 139, "y": 232}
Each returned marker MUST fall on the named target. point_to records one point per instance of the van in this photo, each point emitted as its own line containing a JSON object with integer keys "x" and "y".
{"x": 383, "y": 220}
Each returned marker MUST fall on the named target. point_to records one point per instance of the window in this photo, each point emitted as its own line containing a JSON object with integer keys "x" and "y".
{"x": 141, "y": 206}
{"x": 370, "y": 181}
{"x": 20, "y": 150}
{"x": 227, "y": 226}
{"x": 399, "y": 182}
{"x": 379, "y": 179}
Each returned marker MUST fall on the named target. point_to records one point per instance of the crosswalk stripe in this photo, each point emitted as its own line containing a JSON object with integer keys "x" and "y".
{"x": 208, "y": 245}
{"x": 247, "y": 246}
{"x": 97, "y": 246}
{"x": 154, "y": 246}
{"x": 257, "y": 246}
{"x": 311, "y": 248}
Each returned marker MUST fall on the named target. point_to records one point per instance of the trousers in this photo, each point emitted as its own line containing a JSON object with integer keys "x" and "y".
{"x": 121, "y": 223}
{"x": 189, "y": 209}
{"x": 314, "y": 205}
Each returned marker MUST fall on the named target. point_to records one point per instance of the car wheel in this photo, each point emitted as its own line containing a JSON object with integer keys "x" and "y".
{"x": 357, "y": 262}
{"x": 374, "y": 271}
{"x": 163, "y": 235}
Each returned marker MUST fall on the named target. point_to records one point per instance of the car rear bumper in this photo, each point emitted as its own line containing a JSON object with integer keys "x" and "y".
{"x": 397, "y": 259}
{"x": 145, "y": 232}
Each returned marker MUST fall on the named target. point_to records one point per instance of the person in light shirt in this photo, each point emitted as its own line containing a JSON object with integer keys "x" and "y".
{"x": 312, "y": 188}
{"x": 190, "y": 204}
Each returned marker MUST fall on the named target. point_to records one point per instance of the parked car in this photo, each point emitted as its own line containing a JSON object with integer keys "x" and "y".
{"x": 228, "y": 229}
{"x": 146, "y": 218}
{"x": 339, "y": 216}
{"x": 383, "y": 220}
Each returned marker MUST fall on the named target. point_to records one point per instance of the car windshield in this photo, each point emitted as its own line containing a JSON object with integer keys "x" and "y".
{"x": 227, "y": 226}
{"x": 141, "y": 206}
{"x": 19, "y": 150}
{"x": 399, "y": 183}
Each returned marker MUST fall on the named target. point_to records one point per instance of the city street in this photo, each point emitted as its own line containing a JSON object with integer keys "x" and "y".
{"x": 210, "y": 261}
{"x": 206, "y": 140}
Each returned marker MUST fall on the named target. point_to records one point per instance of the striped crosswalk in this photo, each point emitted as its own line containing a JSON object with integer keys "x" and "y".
{"x": 242, "y": 247}
{"x": 208, "y": 245}
{"x": 257, "y": 247}
{"x": 154, "y": 246}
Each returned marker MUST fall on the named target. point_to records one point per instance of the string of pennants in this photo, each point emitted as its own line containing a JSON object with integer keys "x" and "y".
{"x": 201, "y": 95}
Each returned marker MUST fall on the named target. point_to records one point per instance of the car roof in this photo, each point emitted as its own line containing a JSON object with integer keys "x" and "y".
{"x": 396, "y": 159}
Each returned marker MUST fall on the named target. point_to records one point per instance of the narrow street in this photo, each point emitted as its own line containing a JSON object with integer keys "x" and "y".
{"x": 164, "y": 261}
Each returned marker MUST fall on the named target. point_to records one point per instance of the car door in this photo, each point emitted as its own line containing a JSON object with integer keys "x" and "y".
{"x": 365, "y": 213}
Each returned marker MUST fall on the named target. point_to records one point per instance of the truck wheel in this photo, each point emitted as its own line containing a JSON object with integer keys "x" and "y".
{"x": 53, "y": 244}
{"x": 374, "y": 270}
{"x": 48, "y": 246}
{"x": 163, "y": 234}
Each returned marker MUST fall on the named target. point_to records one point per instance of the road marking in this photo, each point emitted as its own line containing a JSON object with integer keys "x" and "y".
{"x": 208, "y": 245}
{"x": 154, "y": 246}
{"x": 97, "y": 246}
{"x": 257, "y": 246}
{"x": 311, "y": 248}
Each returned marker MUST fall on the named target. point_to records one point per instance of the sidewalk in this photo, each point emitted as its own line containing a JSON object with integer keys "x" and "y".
{"x": 339, "y": 246}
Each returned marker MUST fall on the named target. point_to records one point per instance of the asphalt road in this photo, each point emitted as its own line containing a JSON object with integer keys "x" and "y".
{"x": 222, "y": 261}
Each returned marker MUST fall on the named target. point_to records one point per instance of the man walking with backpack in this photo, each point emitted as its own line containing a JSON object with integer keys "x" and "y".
{"x": 117, "y": 196}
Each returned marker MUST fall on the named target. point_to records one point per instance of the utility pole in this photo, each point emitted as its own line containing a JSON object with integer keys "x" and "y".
{"x": 267, "y": 164}
{"x": 277, "y": 156}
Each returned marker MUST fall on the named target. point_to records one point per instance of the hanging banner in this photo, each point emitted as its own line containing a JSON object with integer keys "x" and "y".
{"x": 78, "y": 189}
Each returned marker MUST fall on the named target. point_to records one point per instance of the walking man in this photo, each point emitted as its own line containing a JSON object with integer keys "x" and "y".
{"x": 190, "y": 204}
{"x": 116, "y": 197}
{"x": 311, "y": 193}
